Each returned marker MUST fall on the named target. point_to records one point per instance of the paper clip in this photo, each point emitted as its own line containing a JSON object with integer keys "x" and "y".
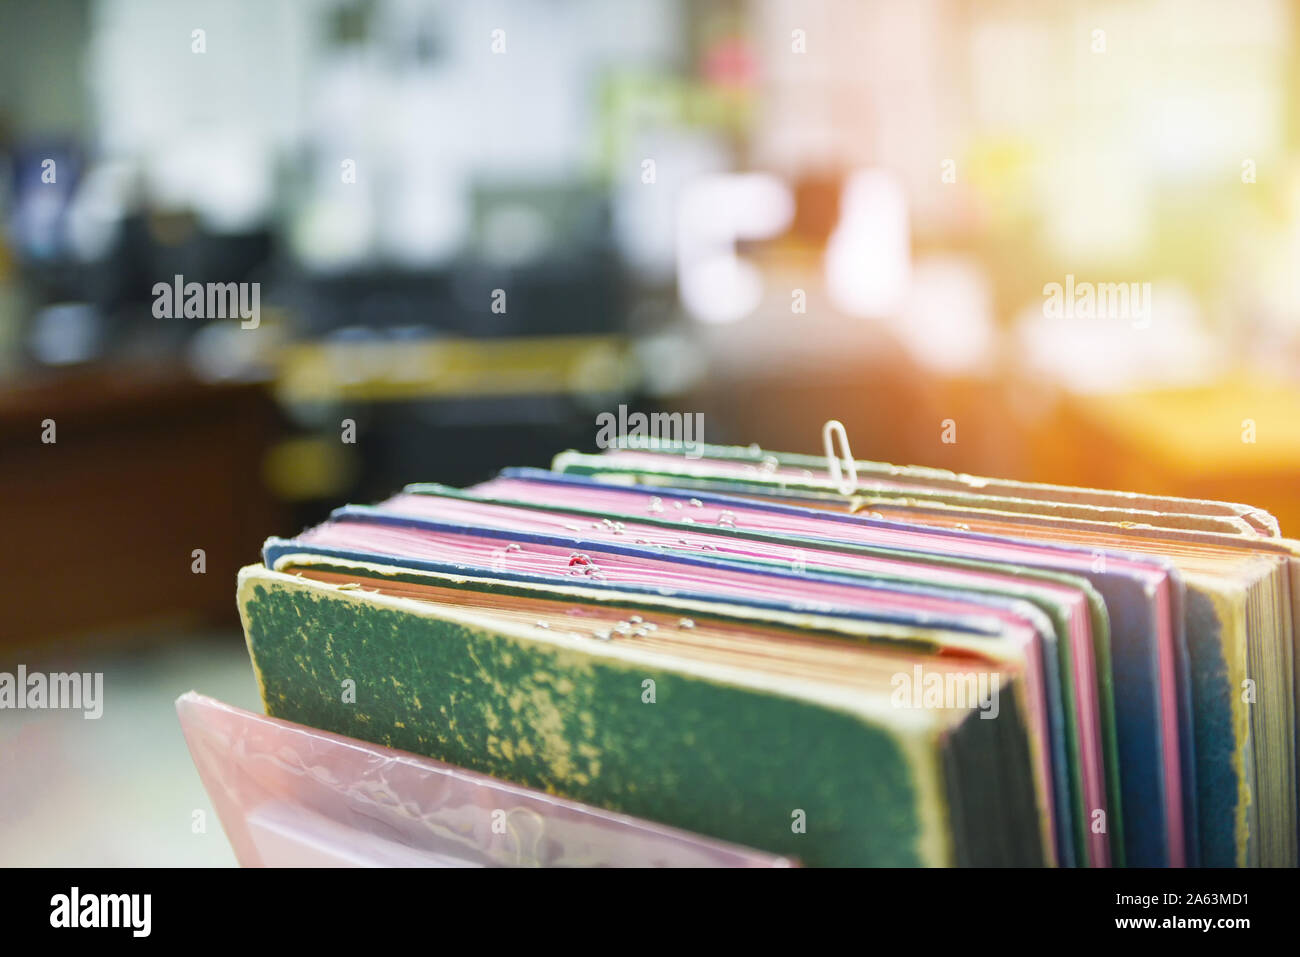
{"x": 845, "y": 483}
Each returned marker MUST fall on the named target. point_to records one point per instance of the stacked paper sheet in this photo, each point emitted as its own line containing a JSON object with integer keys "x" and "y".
{"x": 924, "y": 668}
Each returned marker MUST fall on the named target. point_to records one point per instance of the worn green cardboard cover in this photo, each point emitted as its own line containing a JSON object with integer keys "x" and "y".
{"x": 829, "y": 776}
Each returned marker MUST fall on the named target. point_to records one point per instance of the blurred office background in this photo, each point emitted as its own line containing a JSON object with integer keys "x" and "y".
{"x": 474, "y": 226}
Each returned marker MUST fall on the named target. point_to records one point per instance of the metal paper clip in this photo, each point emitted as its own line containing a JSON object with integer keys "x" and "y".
{"x": 845, "y": 481}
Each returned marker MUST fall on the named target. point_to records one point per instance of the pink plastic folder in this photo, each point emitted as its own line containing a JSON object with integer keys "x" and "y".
{"x": 292, "y": 796}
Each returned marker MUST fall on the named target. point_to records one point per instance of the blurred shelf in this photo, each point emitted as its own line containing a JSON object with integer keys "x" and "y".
{"x": 455, "y": 368}
{"x": 100, "y": 525}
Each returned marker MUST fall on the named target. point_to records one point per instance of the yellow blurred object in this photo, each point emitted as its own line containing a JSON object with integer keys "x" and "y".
{"x": 448, "y": 368}
{"x": 1001, "y": 170}
{"x": 309, "y": 468}
{"x": 1237, "y": 441}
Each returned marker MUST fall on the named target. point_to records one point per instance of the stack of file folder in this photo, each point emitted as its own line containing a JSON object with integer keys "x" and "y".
{"x": 922, "y": 669}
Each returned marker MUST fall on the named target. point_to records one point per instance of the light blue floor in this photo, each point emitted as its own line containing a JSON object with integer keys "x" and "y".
{"x": 120, "y": 790}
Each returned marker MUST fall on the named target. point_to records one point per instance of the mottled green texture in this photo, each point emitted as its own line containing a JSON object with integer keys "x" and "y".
{"x": 713, "y": 758}
{"x": 1216, "y": 740}
{"x": 1026, "y": 587}
{"x": 1058, "y": 669}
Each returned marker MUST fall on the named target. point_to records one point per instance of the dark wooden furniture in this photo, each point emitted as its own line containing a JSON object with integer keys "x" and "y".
{"x": 99, "y": 527}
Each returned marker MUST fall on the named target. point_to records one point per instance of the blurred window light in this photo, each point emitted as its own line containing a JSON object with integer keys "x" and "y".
{"x": 643, "y": 214}
{"x": 225, "y": 175}
{"x": 335, "y": 234}
{"x": 715, "y": 212}
{"x": 150, "y": 88}
{"x": 99, "y": 207}
{"x": 671, "y": 363}
{"x": 947, "y": 324}
{"x": 1167, "y": 345}
{"x": 515, "y": 234}
{"x": 1207, "y": 133}
{"x": 221, "y": 351}
{"x": 1014, "y": 67}
{"x": 65, "y": 333}
{"x": 423, "y": 223}
{"x": 1098, "y": 203}
{"x": 868, "y": 258}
